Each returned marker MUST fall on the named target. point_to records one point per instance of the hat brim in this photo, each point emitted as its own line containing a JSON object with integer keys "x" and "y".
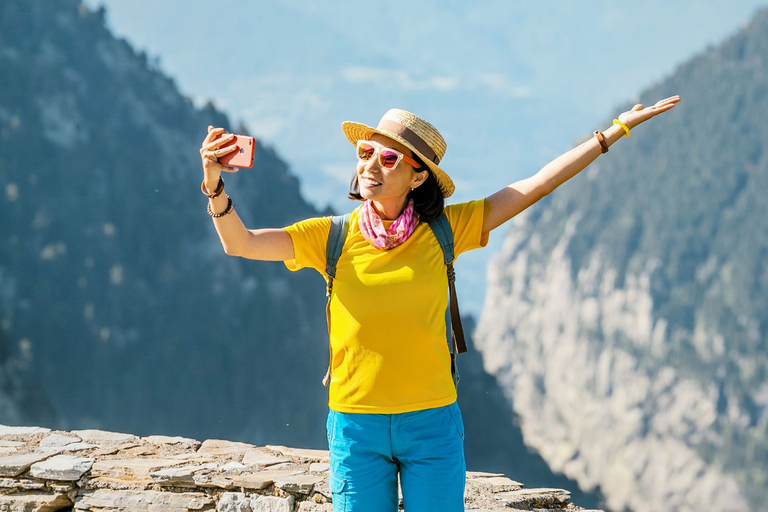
{"x": 358, "y": 131}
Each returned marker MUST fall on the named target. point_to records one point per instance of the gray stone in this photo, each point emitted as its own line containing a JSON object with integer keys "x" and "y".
{"x": 302, "y": 484}
{"x": 22, "y": 431}
{"x": 535, "y": 498}
{"x": 234, "y": 502}
{"x": 271, "y": 504}
{"x": 14, "y": 465}
{"x": 58, "y": 440}
{"x": 104, "y": 437}
{"x": 179, "y": 477}
{"x": 61, "y": 467}
{"x": 143, "y": 501}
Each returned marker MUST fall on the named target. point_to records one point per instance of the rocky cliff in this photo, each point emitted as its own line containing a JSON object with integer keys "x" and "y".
{"x": 95, "y": 470}
{"x": 626, "y": 316}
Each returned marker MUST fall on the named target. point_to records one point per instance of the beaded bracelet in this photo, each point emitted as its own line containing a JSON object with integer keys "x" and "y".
{"x": 626, "y": 129}
{"x": 229, "y": 209}
{"x": 217, "y": 193}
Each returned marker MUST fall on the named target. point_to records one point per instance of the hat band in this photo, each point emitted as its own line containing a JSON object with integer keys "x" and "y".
{"x": 411, "y": 136}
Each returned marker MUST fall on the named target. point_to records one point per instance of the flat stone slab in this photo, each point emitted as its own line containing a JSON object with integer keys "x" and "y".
{"x": 319, "y": 467}
{"x": 182, "y": 476}
{"x": 143, "y": 501}
{"x": 14, "y": 465}
{"x": 298, "y": 453}
{"x": 104, "y": 436}
{"x": 42, "y": 501}
{"x": 221, "y": 447}
{"x": 20, "y": 483}
{"x": 481, "y": 474}
{"x": 61, "y": 467}
{"x": 131, "y": 469}
{"x": 58, "y": 440}
{"x": 260, "y": 479}
{"x": 262, "y": 458}
{"x": 5, "y": 430}
{"x": 302, "y": 484}
{"x": 538, "y": 498}
{"x": 76, "y": 447}
{"x": 184, "y": 442}
{"x": 11, "y": 444}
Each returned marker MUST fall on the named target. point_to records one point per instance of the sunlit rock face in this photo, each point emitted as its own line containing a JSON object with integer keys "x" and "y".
{"x": 626, "y": 315}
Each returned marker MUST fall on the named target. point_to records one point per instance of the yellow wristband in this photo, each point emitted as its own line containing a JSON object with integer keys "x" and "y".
{"x": 626, "y": 129}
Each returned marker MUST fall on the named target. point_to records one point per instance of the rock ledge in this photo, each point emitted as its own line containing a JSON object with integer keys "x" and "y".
{"x": 92, "y": 470}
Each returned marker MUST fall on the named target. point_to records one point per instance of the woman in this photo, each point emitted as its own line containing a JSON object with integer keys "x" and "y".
{"x": 392, "y": 397}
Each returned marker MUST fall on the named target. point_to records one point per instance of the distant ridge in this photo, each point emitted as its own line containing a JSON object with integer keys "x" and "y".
{"x": 627, "y": 318}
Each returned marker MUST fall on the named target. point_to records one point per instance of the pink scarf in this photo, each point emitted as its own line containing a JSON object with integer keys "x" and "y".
{"x": 380, "y": 237}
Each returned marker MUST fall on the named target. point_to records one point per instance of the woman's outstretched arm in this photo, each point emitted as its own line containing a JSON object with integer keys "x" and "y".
{"x": 237, "y": 240}
{"x": 511, "y": 200}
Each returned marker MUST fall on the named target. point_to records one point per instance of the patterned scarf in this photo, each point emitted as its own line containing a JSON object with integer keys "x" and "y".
{"x": 380, "y": 237}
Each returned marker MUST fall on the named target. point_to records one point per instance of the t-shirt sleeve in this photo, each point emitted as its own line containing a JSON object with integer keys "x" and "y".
{"x": 466, "y": 221}
{"x": 309, "y": 239}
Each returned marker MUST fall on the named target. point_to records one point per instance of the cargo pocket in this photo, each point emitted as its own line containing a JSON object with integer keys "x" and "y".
{"x": 338, "y": 488}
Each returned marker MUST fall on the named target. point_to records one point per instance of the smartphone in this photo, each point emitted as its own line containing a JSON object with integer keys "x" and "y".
{"x": 243, "y": 155}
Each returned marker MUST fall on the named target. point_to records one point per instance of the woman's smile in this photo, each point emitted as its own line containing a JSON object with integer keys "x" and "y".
{"x": 368, "y": 182}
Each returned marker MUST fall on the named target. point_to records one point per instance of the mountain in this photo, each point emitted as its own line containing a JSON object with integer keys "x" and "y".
{"x": 627, "y": 313}
{"x": 114, "y": 272}
{"x": 115, "y": 286}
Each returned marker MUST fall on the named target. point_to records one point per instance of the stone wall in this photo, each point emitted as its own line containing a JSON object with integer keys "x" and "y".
{"x": 94, "y": 470}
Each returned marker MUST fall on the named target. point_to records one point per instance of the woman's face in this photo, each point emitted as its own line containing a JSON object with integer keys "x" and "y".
{"x": 381, "y": 184}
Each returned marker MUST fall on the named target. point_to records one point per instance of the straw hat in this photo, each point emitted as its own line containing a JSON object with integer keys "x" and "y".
{"x": 413, "y": 132}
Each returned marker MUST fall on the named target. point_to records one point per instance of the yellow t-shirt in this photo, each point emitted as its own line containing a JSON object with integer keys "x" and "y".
{"x": 389, "y": 351}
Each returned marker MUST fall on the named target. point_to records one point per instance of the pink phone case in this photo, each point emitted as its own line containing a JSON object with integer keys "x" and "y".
{"x": 241, "y": 157}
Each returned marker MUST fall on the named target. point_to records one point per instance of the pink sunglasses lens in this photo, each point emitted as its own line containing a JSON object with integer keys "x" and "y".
{"x": 388, "y": 159}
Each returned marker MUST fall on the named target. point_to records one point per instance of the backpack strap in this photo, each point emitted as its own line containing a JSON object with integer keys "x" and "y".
{"x": 444, "y": 234}
{"x": 336, "y": 238}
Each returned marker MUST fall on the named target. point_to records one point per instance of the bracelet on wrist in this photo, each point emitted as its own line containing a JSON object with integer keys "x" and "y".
{"x": 625, "y": 127}
{"x": 601, "y": 139}
{"x": 217, "y": 193}
{"x": 229, "y": 209}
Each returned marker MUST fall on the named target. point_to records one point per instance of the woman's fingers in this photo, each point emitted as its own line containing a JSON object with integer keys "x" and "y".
{"x": 216, "y": 143}
{"x": 212, "y": 134}
{"x": 215, "y": 154}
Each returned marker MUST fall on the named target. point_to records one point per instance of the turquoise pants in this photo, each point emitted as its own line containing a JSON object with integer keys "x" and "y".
{"x": 367, "y": 452}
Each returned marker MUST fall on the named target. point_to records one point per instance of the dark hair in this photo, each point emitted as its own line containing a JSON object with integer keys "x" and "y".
{"x": 428, "y": 200}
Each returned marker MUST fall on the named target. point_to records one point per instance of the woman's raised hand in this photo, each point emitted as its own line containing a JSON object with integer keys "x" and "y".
{"x": 210, "y": 152}
{"x": 639, "y": 113}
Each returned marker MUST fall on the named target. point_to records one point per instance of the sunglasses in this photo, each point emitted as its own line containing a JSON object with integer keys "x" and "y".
{"x": 388, "y": 157}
